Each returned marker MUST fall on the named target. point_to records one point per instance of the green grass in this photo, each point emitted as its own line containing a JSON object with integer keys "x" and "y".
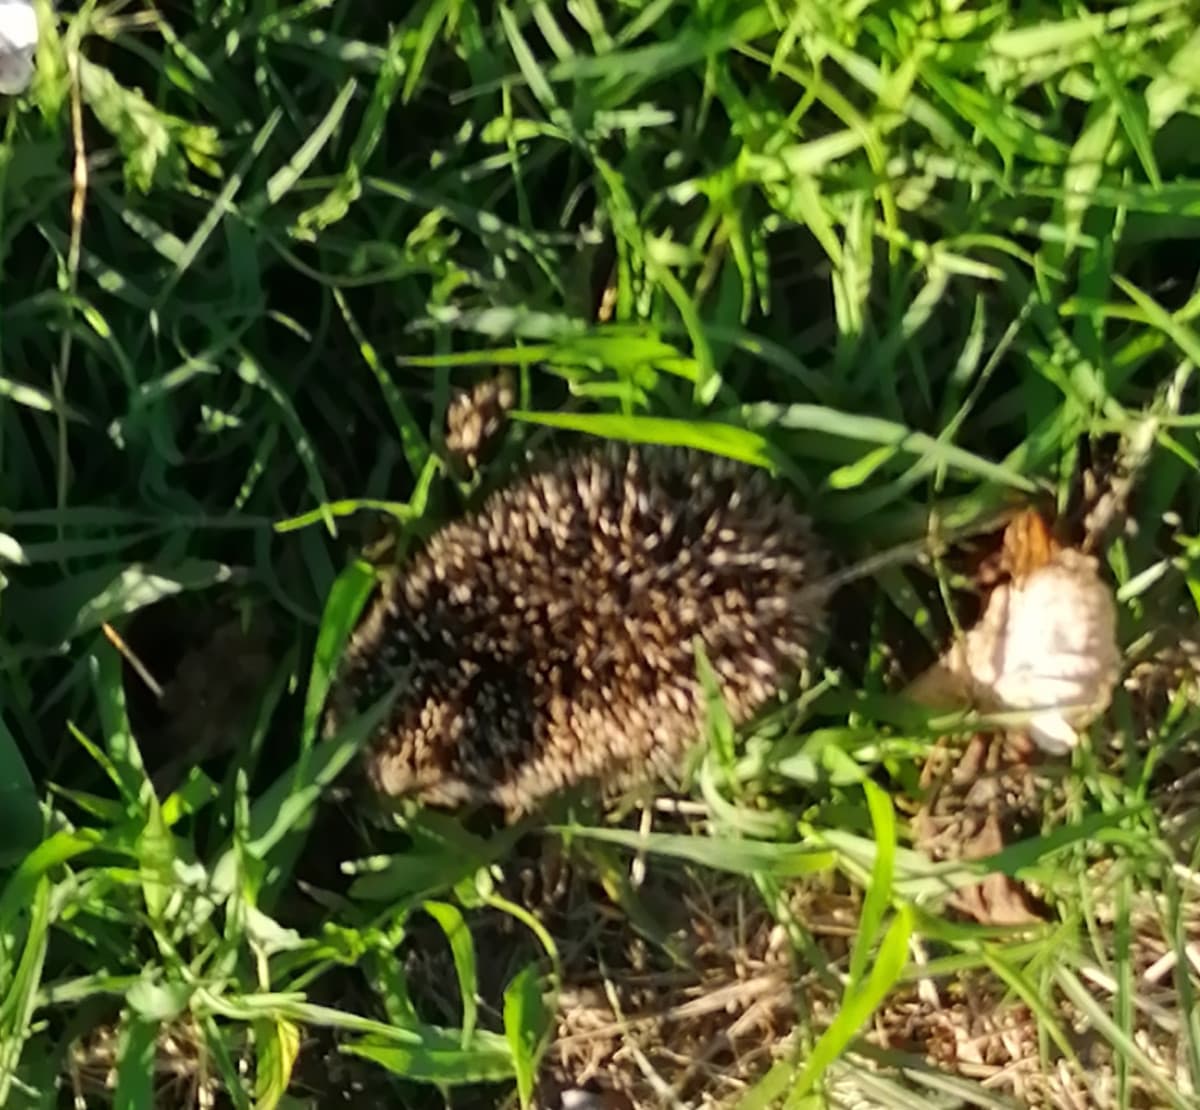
{"x": 923, "y": 261}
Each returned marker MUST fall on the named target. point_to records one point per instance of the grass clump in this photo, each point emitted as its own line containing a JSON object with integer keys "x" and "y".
{"x": 925, "y": 261}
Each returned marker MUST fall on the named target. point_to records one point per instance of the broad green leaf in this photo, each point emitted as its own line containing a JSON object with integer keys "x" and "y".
{"x": 154, "y": 1001}
{"x": 278, "y": 1047}
{"x": 53, "y": 615}
{"x": 526, "y": 1022}
{"x": 441, "y": 1059}
{"x": 54, "y": 851}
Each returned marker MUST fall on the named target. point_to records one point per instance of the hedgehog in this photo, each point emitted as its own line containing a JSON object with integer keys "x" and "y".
{"x": 547, "y": 640}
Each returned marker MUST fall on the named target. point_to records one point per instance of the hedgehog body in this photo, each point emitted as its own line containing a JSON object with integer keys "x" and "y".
{"x": 547, "y": 640}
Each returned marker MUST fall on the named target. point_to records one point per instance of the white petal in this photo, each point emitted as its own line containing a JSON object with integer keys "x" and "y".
{"x": 18, "y": 26}
{"x": 16, "y": 73}
{"x": 1052, "y": 733}
{"x": 18, "y": 41}
{"x": 1045, "y": 643}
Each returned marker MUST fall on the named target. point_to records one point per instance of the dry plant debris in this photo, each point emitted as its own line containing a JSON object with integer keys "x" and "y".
{"x": 637, "y": 1031}
{"x": 973, "y": 805}
{"x": 1045, "y": 643}
{"x": 645, "y": 1029}
{"x": 687, "y": 1010}
{"x": 971, "y": 1025}
{"x": 183, "y": 1074}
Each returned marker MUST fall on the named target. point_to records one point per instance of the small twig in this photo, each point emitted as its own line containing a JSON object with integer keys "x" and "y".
{"x": 661, "y": 1088}
{"x": 143, "y": 672}
{"x": 1160, "y": 1015}
{"x": 681, "y": 807}
{"x": 637, "y": 870}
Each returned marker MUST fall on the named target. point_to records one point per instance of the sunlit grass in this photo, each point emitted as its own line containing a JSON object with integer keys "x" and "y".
{"x": 917, "y": 259}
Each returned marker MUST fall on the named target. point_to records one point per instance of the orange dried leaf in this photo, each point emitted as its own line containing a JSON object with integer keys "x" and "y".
{"x": 1029, "y": 544}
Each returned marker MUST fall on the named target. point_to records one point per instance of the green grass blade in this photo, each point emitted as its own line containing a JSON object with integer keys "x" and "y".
{"x": 719, "y": 439}
{"x": 20, "y": 815}
{"x": 462, "y": 949}
{"x": 525, "y": 1025}
{"x": 741, "y": 857}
